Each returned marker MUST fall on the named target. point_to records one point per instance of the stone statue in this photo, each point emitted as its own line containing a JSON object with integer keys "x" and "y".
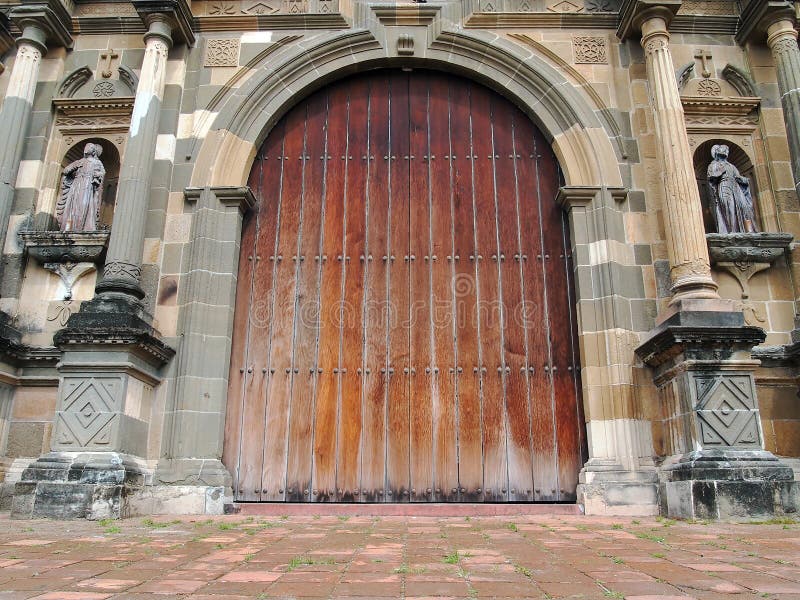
{"x": 78, "y": 207}
{"x": 730, "y": 194}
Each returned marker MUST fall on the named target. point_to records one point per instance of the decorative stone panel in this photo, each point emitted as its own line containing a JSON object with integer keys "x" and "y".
{"x": 727, "y": 414}
{"x": 589, "y": 49}
{"x": 222, "y": 53}
{"x": 90, "y": 408}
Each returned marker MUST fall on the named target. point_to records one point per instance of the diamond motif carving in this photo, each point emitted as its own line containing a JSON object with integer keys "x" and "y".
{"x": 89, "y": 412}
{"x": 565, "y": 6}
{"x": 726, "y": 410}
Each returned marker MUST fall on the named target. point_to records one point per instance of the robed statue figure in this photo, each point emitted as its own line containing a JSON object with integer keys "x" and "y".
{"x": 732, "y": 202}
{"x": 78, "y": 207}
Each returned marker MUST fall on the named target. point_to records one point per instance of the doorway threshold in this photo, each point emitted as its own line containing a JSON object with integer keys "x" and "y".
{"x": 426, "y": 509}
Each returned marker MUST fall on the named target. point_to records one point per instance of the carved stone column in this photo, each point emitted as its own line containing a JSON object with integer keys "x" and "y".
{"x": 39, "y": 23}
{"x": 699, "y": 351}
{"x": 124, "y": 258}
{"x": 690, "y": 268}
{"x": 774, "y": 21}
{"x": 111, "y": 356}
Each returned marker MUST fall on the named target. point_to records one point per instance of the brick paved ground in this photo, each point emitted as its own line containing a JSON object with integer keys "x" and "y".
{"x": 398, "y": 557}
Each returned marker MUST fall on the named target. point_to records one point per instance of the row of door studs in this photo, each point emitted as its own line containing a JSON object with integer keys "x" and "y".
{"x": 406, "y": 258}
{"x": 409, "y": 371}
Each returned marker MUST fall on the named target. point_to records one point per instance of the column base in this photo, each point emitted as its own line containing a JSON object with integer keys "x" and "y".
{"x": 78, "y": 485}
{"x": 729, "y": 484}
{"x": 193, "y": 472}
{"x": 607, "y": 488}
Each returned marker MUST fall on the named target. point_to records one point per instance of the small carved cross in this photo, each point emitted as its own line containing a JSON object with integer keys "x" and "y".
{"x": 705, "y": 59}
{"x": 109, "y": 57}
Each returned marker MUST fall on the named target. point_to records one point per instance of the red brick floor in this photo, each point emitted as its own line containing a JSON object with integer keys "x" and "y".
{"x": 531, "y": 556}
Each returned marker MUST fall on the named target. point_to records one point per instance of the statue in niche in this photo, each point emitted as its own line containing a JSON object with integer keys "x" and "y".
{"x": 730, "y": 194}
{"x": 78, "y": 207}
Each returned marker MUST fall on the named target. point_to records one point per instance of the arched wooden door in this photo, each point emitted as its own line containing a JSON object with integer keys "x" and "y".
{"x": 404, "y": 325}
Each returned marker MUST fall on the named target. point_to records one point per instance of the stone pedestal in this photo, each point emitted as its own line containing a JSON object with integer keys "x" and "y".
{"x": 107, "y": 375}
{"x": 716, "y": 466}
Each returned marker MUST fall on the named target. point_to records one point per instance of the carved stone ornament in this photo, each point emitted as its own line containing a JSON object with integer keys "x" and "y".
{"x": 589, "y": 49}
{"x": 68, "y": 254}
{"x": 222, "y": 53}
{"x": 745, "y": 254}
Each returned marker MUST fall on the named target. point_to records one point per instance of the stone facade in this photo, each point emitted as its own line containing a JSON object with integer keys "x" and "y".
{"x": 113, "y": 388}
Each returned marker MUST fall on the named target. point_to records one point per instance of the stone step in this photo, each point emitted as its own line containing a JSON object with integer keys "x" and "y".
{"x": 402, "y": 510}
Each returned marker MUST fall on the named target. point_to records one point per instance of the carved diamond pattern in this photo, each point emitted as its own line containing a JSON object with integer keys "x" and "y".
{"x": 726, "y": 411}
{"x": 89, "y": 412}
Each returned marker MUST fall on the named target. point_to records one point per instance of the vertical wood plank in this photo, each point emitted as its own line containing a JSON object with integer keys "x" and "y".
{"x": 306, "y": 323}
{"x": 536, "y": 317}
{"x": 398, "y": 430}
{"x": 518, "y": 426}
{"x": 329, "y": 365}
{"x": 443, "y": 390}
{"x": 278, "y": 414}
{"x": 560, "y": 315}
{"x": 373, "y": 450}
{"x": 495, "y": 474}
{"x": 233, "y": 439}
{"x": 259, "y": 334}
{"x": 352, "y": 315}
{"x": 470, "y": 435}
{"x": 419, "y": 317}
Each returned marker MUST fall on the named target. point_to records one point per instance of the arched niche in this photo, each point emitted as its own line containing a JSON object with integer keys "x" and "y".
{"x": 737, "y": 157}
{"x": 111, "y": 161}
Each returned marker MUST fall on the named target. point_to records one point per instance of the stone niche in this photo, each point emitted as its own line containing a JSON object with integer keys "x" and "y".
{"x": 91, "y": 106}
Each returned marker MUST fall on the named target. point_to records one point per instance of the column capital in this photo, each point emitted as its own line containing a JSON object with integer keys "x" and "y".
{"x": 758, "y": 15}
{"x": 634, "y": 12}
{"x": 42, "y": 22}
{"x": 176, "y": 12}
{"x": 240, "y": 196}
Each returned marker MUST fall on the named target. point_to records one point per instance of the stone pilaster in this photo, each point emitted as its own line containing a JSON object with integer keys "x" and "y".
{"x": 620, "y": 477}
{"x": 193, "y": 433}
{"x": 124, "y": 258}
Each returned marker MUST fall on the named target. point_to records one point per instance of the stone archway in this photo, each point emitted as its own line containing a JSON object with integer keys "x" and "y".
{"x": 229, "y": 133}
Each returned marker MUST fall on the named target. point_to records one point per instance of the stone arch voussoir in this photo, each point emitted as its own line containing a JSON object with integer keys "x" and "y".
{"x": 247, "y": 114}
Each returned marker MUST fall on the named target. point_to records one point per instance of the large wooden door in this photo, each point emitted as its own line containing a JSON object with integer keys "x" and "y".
{"x": 404, "y": 326}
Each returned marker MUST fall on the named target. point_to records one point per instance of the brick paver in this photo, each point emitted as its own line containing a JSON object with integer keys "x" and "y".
{"x": 355, "y": 558}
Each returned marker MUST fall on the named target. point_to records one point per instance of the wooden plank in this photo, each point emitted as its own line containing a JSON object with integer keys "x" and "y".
{"x": 560, "y": 313}
{"x": 352, "y": 317}
{"x": 231, "y": 455}
{"x": 329, "y": 367}
{"x": 470, "y": 447}
{"x": 259, "y": 325}
{"x": 419, "y": 315}
{"x": 275, "y": 442}
{"x": 535, "y": 314}
{"x": 495, "y": 474}
{"x": 306, "y": 321}
{"x": 373, "y": 450}
{"x": 443, "y": 390}
{"x": 398, "y": 431}
{"x": 518, "y": 427}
